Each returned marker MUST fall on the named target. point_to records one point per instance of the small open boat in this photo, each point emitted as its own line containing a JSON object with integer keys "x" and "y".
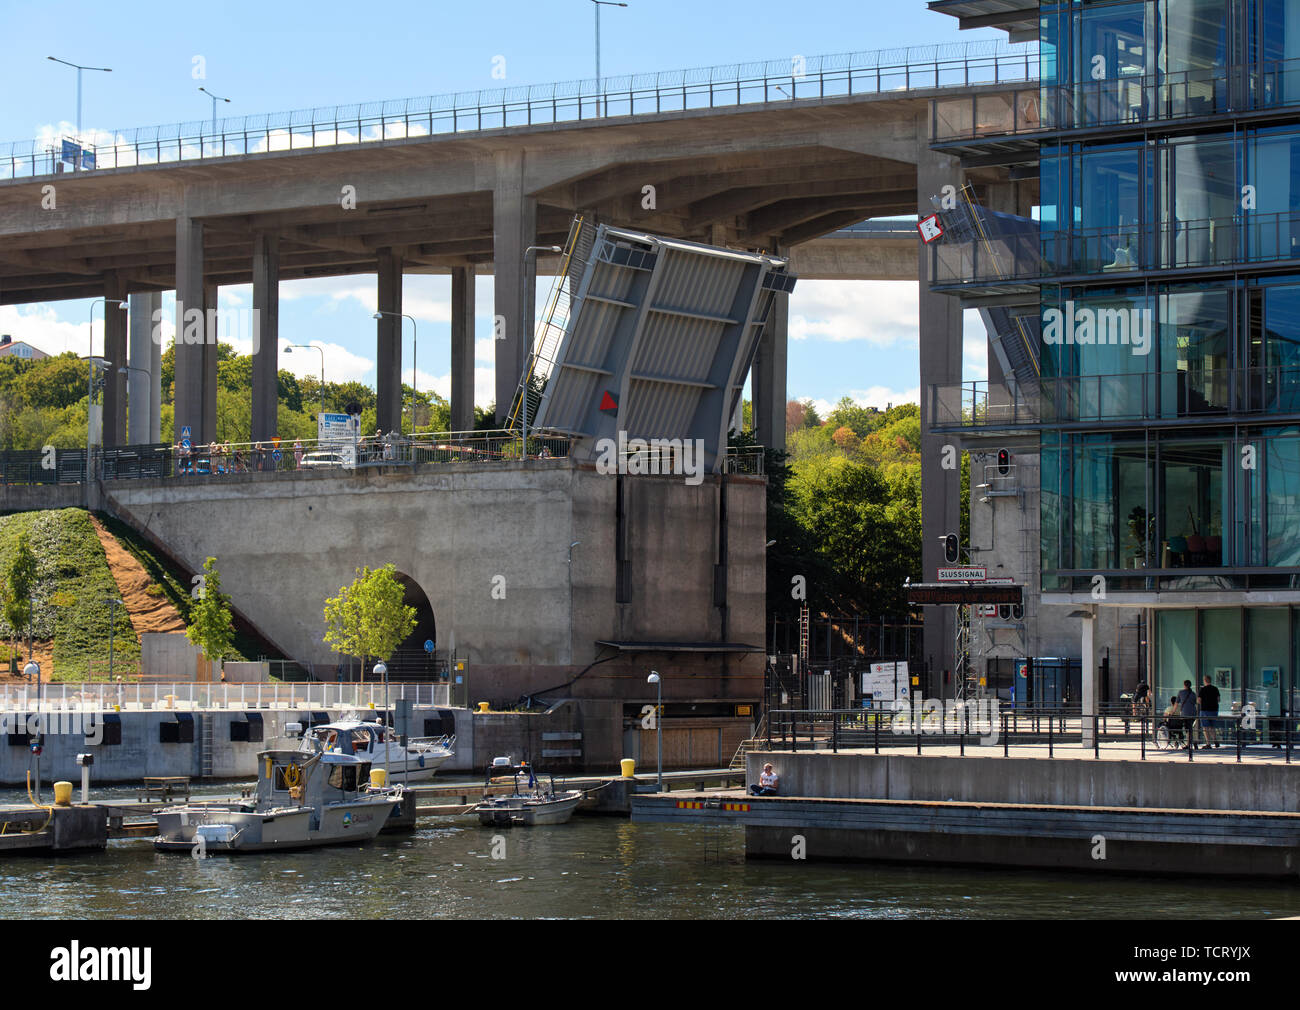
{"x": 530, "y": 804}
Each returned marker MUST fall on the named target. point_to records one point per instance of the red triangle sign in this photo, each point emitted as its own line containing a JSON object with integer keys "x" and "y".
{"x": 607, "y": 402}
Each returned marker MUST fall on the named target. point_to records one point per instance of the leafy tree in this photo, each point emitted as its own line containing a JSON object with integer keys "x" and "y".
{"x": 211, "y": 628}
{"x": 370, "y": 617}
{"x": 19, "y": 585}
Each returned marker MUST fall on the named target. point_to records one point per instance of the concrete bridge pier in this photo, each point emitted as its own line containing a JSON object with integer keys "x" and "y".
{"x": 940, "y": 332}
{"x": 115, "y": 354}
{"x": 266, "y": 336}
{"x": 514, "y": 229}
{"x": 144, "y": 387}
{"x": 769, "y": 373}
{"x": 196, "y": 368}
{"x": 462, "y": 348}
{"x": 388, "y": 349}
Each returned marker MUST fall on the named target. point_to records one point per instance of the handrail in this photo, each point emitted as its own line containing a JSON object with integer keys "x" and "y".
{"x": 1118, "y": 397}
{"x": 817, "y": 78}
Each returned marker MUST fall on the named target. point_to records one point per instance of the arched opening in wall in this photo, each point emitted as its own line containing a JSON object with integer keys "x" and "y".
{"x": 411, "y": 661}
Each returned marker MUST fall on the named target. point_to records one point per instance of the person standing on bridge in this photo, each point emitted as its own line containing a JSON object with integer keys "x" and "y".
{"x": 297, "y": 454}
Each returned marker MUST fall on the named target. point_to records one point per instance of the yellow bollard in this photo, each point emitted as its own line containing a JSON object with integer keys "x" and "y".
{"x": 63, "y": 794}
{"x": 629, "y": 768}
{"x": 378, "y": 778}
{"x": 483, "y": 706}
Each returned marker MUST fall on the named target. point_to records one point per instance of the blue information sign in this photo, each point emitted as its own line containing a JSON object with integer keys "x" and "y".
{"x": 428, "y": 645}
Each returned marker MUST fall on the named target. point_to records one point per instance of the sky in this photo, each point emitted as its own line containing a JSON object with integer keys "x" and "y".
{"x": 848, "y": 338}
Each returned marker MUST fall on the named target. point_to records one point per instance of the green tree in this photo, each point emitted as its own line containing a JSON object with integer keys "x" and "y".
{"x": 211, "y": 628}
{"x": 370, "y": 617}
{"x": 19, "y": 585}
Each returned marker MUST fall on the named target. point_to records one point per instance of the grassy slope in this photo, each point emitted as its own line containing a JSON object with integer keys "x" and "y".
{"x": 70, "y": 562}
{"x": 175, "y": 583}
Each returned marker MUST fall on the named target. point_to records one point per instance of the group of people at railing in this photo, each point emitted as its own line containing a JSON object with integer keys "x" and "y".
{"x": 227, "y": 458}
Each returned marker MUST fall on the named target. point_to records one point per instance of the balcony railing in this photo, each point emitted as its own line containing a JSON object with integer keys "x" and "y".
{"x": 893, "y": 71}
{"x": 1022, "y": 257}
{"x": 1117, "y": 398}
{"x": 1137, "y": 99}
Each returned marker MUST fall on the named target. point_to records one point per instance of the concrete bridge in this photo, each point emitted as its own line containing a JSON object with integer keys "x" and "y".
{"x": 768, "y": 157}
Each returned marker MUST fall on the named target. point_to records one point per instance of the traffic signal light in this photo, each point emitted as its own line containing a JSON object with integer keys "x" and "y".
{"x": 1004, "y": 462}
{"x": 951, "y": 548}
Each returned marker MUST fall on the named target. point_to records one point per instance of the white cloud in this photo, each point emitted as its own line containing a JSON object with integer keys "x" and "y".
{"x": 341, "y": 365}
{"x": 883, "y": 313}
{"x": 876, "y": 396}
{"x": 39, "y": 326}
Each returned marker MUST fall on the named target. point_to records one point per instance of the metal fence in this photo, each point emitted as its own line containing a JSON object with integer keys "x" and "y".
{"x": 794, "y": 78}
{"x": 985, "y": 730}
{"x": 223, "y": 459}
{"x": 187, "y": 696}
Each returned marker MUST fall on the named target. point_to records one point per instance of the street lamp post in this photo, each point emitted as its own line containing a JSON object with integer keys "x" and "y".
{"x": 599, "y": 88}
{"x": 381, "y": 670}
{"x": 215, "y": 100}
{"x": 33, "y": 669}
{"x": 79, "y": 68}
{"x": 659, "y": 724}
{"x": 523, "y": 393}
{"x": 321, "y": 351}
{"x": 415, "y": 351}
{"x": 571, "y": 547}
{"x": 90, "y": 372}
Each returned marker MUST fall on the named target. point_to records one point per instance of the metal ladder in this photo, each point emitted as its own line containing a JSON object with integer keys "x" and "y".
{"x": 206, "y": 745}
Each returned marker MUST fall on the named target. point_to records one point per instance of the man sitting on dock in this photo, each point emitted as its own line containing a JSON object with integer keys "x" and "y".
{"x": 767, "y": 782}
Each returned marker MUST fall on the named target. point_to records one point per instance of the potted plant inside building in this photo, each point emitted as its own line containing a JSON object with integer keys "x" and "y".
{"x": 1139, "y": 535}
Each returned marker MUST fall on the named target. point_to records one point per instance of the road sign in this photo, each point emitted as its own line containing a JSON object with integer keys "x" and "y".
{"x": 186, "y": 444}
{"x": 186, "y": 433}
{"x": 929, "y": 228}
{"x": 964, "y": 573}
{"x": 277, "y": 455}
{"x": 428, "y": 645}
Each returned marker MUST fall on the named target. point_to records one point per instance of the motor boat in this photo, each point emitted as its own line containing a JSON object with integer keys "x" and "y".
{"x": 530, "y": 804}
{"x": 372, "y": 741}
{"x": 306, "y": 797}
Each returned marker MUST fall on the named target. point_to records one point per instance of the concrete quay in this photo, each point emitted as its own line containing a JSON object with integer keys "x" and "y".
{"x": 1209, "y": 818}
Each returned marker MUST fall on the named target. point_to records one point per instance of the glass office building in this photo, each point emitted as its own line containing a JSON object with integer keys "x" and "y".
{"x": 1164, "y": 390}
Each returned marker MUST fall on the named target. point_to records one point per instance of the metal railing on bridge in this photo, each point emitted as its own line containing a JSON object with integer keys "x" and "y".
{"x": 893, "y": 71}
{"x": 224, "y": 459}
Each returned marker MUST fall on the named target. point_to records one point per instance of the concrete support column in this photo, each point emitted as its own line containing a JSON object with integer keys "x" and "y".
{"x": 462, "y": 348}
{"x": 266, "y": 336}
{"x": 191, "y": 332}
{"x": 144, "y": 380}
{"x": 1090, "y": 677}
{"x": 514, "y": 229}
{"x": 211, "y": 296}
{"x": 115, "y": 354}
{"x": 940, "y": 320}
{"x": 388, "y": 347}
{"x": 769, "y": 374}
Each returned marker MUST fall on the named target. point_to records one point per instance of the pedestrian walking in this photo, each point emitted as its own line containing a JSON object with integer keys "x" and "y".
{"x": 1208, "y": 699}
{"x": 1187, "y": 704}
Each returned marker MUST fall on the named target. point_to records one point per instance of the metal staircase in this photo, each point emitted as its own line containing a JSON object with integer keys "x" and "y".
{"x": 753, "y": 743}
{"x": 555, "y": 320}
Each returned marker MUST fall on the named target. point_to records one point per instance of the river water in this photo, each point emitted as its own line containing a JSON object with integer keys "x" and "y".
{"x": 593, "y": 867}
